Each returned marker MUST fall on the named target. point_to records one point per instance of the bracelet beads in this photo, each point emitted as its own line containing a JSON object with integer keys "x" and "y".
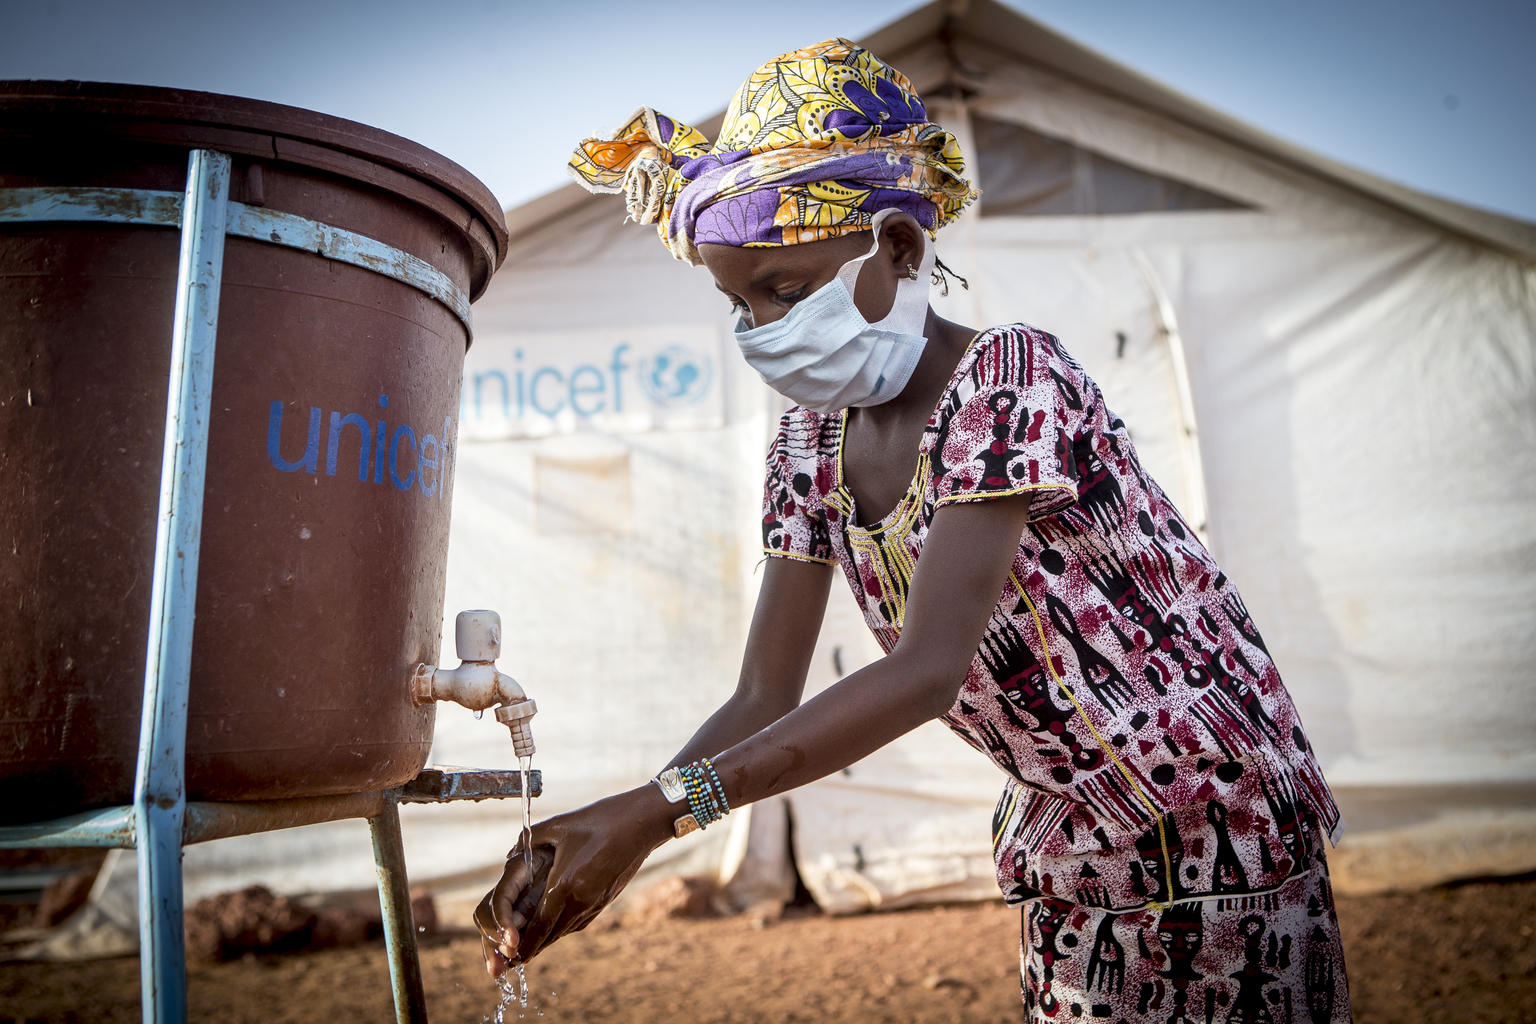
{"x": 705, "y": 792}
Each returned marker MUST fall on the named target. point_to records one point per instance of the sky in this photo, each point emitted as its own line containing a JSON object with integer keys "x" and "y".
{"x": 1434, "y": 94}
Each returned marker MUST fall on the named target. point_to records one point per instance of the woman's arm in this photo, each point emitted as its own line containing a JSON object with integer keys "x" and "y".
{"x": 964, "y": 566}
{"x": 962, "y": 571}
{"x": 780, "y": 641}
{"x": 782, "y": 637}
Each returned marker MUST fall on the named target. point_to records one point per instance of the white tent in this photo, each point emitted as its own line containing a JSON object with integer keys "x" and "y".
{"x": 1335, "y": 374}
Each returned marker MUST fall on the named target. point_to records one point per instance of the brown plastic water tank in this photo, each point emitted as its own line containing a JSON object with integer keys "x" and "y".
{"x": 330, "y": 458}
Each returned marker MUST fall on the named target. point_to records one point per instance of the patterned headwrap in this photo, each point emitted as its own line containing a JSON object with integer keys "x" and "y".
{"x": 813, "y": 145}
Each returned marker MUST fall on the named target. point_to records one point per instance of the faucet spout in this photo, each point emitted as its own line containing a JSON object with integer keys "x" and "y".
{"x": 477, "y": 684}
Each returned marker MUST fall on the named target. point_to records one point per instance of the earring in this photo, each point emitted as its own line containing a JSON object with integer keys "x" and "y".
{"x": 911, "y": 272}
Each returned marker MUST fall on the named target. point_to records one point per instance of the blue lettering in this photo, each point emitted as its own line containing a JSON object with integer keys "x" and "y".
{"x": 275, "y": 441}
{"x": 578, "y": 390}
{"x": 378, "y": 450}
{"x": 522, "y": 400}
{"x": 533, "y": 391}
{"x": 394, "y": 450}
{"x": 425, "y": 462}
{"x": 338, "y": 421}
{"x": 506, "y": 398}
{"x": 617, "y": 366}
{"x": 447, "y": 455}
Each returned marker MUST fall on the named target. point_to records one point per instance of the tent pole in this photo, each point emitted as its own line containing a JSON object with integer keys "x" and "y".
{"x": 1189, "y": 447}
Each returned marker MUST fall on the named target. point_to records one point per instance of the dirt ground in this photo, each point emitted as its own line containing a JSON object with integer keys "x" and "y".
{"x": 1453, "y": 954}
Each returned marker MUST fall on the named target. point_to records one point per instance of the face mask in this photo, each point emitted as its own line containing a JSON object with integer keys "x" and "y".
{"x": 824, "y": 355}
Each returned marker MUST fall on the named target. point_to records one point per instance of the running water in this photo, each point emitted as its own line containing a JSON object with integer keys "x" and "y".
{"x": 524, "y": 767}
{"x": 514, "y": 989}
{"x": 514, "y": 983}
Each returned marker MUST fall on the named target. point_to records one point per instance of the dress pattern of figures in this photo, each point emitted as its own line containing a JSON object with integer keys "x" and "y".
{"x": 1162, "y": 820}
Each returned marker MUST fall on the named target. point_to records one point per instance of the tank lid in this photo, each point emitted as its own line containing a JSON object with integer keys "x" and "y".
{"x": 235, "y": 124}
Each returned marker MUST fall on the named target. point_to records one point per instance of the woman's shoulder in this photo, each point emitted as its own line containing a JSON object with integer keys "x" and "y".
{"x": 1008, "y": 354}
{"x": 805, "y": 436}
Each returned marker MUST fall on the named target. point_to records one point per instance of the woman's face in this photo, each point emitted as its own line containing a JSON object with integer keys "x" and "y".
{"x": 764, "y": 284}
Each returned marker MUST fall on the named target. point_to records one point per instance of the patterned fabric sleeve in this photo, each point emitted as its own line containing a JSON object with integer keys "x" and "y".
{"x": 794, "y": 519}
{"x": 1006, "y": 427}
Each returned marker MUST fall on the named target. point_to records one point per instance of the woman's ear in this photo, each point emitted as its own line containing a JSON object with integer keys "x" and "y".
{"x": 904, "y": 237}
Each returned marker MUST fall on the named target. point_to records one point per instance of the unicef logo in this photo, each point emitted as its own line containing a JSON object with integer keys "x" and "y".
{"x": 675, "y": 376}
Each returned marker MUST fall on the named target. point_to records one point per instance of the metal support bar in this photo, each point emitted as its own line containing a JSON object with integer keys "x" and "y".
{"x": 159, "y": 784}
{"x": 450, "y": 785}
{"x": 270, "y": 227}
{"x": 399, "y": 925}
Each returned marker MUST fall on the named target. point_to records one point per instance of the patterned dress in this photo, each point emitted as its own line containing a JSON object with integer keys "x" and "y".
{"x": 1162, "y": 819}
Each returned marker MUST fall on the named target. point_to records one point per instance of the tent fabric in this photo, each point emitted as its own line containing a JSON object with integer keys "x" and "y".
{"x": 1360, "y": 360}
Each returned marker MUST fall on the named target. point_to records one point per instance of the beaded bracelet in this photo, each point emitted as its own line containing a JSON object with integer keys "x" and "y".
{"x": 714, "y": 776}
{"x": 704, "y": 791}
{"x": 700, "y": 800}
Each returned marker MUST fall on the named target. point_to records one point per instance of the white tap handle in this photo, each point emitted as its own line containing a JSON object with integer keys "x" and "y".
{"x": 477, "y": 635}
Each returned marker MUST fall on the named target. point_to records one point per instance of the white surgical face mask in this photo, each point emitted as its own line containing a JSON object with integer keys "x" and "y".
{"x": 824, "y": 355}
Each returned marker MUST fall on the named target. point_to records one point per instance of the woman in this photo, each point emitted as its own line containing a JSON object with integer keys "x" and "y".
{"x": 1162, "y": 816}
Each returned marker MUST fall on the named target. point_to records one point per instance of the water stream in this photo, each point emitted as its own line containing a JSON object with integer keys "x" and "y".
{"x": 514, "y": 983}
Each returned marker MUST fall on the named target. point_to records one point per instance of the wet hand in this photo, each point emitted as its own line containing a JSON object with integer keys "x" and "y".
{"x": 582, "y": 860}
{"x": 505, "y": 910}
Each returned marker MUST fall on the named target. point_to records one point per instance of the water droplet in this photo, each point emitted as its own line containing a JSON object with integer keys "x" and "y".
{"x": 478, "y": 714}
{"x": 304, "y": 533}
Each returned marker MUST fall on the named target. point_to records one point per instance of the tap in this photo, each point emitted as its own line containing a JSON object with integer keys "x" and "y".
{"x": 477, "y": 684}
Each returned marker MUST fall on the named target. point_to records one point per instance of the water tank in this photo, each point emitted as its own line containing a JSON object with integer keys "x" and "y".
{"x": 351, "y": 259}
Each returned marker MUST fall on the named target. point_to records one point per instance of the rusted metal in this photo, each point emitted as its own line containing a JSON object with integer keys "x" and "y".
{"x": 93, "y": 124}
{"x": 102, "y": 205}
{"x": 163, "y": 209}
{"x": 160, "y": 783}
{"x": 219, "y": 820}
{"x": 113, "y": 827}
{"x": 446, "y": 785}
{"x": 399, "y": 924}
{"x": 109, "y": 829}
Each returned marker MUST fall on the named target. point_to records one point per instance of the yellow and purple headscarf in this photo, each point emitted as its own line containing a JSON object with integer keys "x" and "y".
{"x": 813, "y": 144}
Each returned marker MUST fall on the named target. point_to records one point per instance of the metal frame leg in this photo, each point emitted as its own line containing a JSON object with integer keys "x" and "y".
{"x": 399, "y": 924}
{"x": 159, "y": 796}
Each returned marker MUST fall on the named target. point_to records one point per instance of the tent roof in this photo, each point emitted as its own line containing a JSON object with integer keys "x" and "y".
{"x": 991, "y": 26}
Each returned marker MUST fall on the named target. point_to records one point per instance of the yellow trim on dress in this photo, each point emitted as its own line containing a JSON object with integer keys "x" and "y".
{"x": 886, "y": 541}
{"x": 775, "y": 553}
{"x": 1162, "y": 832}
{"x": 985, "y": 495}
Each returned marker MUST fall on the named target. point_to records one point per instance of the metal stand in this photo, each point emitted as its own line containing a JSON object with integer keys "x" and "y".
{"x": 160, "y": 821}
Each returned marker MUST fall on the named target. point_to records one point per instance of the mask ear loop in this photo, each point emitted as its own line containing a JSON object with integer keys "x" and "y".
{"x": 911, "y": 291}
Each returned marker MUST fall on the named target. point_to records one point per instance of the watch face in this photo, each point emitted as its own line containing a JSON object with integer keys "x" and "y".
{"x": 671, "y": 783}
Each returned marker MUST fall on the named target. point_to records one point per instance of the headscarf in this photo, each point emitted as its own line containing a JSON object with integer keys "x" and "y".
{"x": 812, "y": 145}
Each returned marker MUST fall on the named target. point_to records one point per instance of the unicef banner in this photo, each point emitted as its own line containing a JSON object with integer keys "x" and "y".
{"x": 611, "y": 380}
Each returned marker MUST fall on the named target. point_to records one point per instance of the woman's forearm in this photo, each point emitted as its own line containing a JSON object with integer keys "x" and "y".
{"x": 773, "y": 754}
{"x": 776, "y": 660}
{"x": 850, "y": 720}
{"x": 735, "y": 720}
{"x": 966, "y": 564}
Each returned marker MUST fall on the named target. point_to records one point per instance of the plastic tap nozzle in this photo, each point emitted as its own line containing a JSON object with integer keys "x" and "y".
{"x": 516, "y": 717}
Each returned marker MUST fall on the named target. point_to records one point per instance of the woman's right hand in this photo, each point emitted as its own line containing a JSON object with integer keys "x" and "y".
{"x": 506, "y": 909}
{"x": 581, "y": 861}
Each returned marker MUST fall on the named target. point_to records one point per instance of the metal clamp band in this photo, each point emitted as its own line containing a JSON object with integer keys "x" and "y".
{"x": 273, "y": 227}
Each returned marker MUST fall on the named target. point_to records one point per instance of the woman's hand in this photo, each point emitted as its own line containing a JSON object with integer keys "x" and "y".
{"x": 581, "y": 861}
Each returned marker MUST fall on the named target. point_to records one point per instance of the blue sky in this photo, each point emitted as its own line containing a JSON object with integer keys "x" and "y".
{"x": 1434, "y": 94}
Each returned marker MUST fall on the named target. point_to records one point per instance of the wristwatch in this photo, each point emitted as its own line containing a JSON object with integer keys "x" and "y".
{"x": 671, "y": 784}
